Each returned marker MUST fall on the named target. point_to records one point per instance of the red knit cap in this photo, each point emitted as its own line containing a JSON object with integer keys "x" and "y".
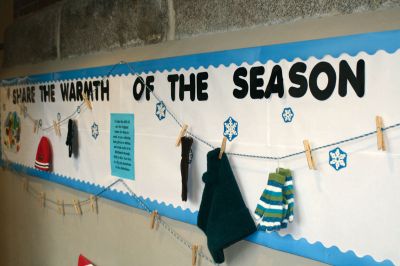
{"x": 82, "y": 261}
{"x": 43, "y": 155}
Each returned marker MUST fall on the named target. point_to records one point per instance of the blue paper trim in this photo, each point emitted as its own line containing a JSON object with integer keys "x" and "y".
{"x": 287, "y": 243}
{"x": 369, "y": 43}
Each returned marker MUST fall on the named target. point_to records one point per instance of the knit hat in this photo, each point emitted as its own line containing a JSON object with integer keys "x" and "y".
{"x": 223, "y": 215}
{"x": 82, "y": 261}
{"x": 43, "y": 155}
{"x": 186, "y": 146}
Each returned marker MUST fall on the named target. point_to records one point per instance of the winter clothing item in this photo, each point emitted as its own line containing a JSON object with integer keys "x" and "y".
{"x": 223, "y": 215}
{"x": 70, "y": 136}
{"x": 43, "y": 155}
{"x": 82, "y": 261}
{"x": 275, "y": 207}
{"x": 288, "y": 197}
{"x": 186, "y": 143}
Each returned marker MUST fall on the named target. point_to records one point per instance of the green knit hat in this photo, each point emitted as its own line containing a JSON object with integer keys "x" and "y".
{"x": 223, "y": 215}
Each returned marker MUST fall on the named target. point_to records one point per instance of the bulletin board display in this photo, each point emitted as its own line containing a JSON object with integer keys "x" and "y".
{"x": 265, "y": 101}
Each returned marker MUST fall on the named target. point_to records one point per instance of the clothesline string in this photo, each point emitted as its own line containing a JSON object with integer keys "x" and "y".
{"x": 140, "y": 202}
{"x": 205, "y": 142}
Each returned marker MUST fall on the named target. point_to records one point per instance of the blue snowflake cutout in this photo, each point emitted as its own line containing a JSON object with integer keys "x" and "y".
{"x": 231, "y": 128}
{"x": 287, "y": 115}
{"x": 337, "y": 159}
{"x": 160, "y": 110}
{"x": 95, "y": 130}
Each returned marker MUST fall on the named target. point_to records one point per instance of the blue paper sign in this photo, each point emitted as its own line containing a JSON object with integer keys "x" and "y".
{"x": 122, "y": 140}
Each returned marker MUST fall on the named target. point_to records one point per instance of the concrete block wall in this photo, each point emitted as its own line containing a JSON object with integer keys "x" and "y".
{"x": 75, "y": 27}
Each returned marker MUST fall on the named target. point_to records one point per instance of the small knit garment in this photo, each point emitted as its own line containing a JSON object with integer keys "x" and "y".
{"x": 186, "y": 146}
{"x": 70, "y": 136}
{"x": 276, "y": 204}
{"x": 44, "y": 155}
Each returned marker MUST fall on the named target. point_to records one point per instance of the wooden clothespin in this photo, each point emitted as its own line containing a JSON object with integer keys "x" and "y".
{"x": 181, "y": 134}
{"x": 310, "y": 160}
{"x": 153, "y": 217}
{"x": 42, "y": 198}
{"x": 223, "y": 146}
{"x": 25, "y": 185}
{"x": 379, "y": 133}
{"x": 61, "y": 209}
{"x": 22, "y": 108}
{"x": 77, "y": 207}
{"x": 195, "y": 249}
{"x": 57, "y": 128}
{"x": 93, "y": 203}
{"x": 35, "y": 126}
{"x": 87, "y": 101}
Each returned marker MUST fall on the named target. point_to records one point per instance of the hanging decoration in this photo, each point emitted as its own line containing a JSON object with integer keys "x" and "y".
{"x": 231, "y": 128}
{"x": 287, "y": 115}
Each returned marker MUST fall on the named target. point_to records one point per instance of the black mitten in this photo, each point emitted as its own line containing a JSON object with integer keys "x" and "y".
{"x": 186, "y": 143}
{"x": 70, "y": 136}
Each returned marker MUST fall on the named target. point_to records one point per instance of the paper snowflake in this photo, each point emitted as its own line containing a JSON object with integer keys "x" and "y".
{"x": 287, "y": 115}
{"x": 95, "y": 130}
{"x": 160, "y": 110}
{"x": 231, "y": 128}
{"x": 337, "y": 159}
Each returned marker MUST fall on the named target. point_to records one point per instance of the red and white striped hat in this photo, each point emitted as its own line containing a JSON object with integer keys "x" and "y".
{"x": 43, "y": 155}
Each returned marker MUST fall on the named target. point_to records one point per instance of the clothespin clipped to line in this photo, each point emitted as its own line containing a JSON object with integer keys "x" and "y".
{"x": 223, "y": 147}
{"x": 87, "y": 101}
{"x": 153, "y": 218}
{"x": 379, "y": 133}
{"x": 22, "y": 108}
{"x": 195, "y": 249}
{"x": 25, "y": 184}
{"x": 77, "y": 207}
{"x": 57, "y": 128}
{"x": 310, "y": 159}
{"x": 42, "y": 198}
{"x": 61, "y": 209}
{"x": 93, "y": 203}
{"x": 35, "y": 126}
{"x": 181, "y": 134}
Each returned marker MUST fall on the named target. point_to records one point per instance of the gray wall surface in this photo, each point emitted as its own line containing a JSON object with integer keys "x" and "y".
{"x": 120, "y": 235}
{"x": 75, "y": 27}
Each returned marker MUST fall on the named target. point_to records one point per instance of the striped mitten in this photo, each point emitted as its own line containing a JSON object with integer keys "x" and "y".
{"x": 271, "y": 205}
{"x": 288, "y": 197}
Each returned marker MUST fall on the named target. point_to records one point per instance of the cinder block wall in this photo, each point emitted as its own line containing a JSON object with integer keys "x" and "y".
{"x": 75, "y": 27}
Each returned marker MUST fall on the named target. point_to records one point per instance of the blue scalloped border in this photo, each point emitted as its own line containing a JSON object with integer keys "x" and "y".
{"x": 335, "y": 46}
{"x": 370, "y": 43}
{"x": 287, "y": 243}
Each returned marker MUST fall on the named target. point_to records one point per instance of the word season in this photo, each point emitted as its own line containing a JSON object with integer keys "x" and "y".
{"x": 253, "y": 82}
